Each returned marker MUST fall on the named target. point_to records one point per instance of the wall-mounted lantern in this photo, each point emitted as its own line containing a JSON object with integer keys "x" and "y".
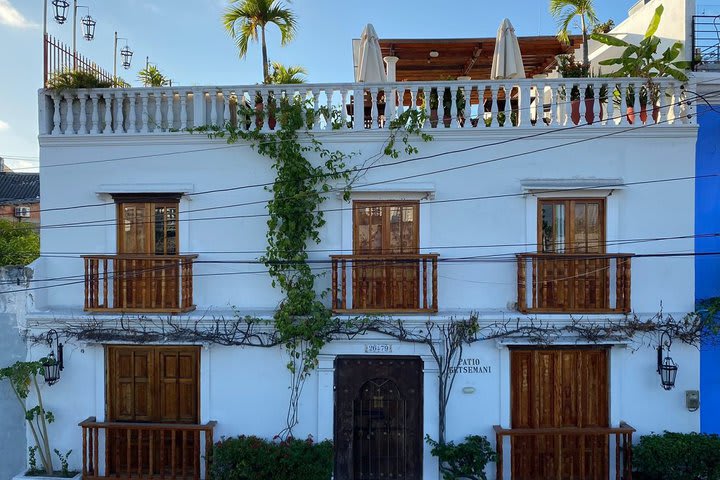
{"x": 52, "y": 364}
{"x": 666, "y": 367}
{"x": 61, "y": 10}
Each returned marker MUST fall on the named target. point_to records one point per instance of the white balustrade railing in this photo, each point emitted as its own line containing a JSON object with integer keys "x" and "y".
{"x": 536, "y": 103}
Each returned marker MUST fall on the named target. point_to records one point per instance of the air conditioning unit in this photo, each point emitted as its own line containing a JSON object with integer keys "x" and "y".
{"x": 22, "y": 212}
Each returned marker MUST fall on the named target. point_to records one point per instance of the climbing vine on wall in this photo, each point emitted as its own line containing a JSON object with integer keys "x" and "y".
{"x": 305, "y": 172}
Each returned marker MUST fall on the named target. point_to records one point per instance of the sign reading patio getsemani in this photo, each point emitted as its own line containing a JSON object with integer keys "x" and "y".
{"x": 471, "y": 365}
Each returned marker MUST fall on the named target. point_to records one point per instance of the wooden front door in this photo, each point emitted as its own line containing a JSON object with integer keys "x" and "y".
{"x": 378, "y": 418}
{"x": 559, "y": 388}
{"x": 152, "y": 384}
{"x": 382, "y": 229}
{"x": 147, "y": 228}
{"x": 567, "y": 227}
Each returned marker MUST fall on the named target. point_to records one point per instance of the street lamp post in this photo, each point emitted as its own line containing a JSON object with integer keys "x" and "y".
{"x": 126, "y": 53}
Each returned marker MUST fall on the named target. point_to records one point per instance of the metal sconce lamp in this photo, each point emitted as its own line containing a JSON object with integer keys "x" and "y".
{"x": 666, "y": 367}
{"x": 61, "y": 8}
{"x": 53, "y": 365}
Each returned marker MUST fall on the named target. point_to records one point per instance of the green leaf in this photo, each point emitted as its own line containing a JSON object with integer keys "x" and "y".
{"x": 676, "y": 74}
{"x": 609, "y": 40}
{"x": 655, "y": 22}
{"x": 611, "y": 61}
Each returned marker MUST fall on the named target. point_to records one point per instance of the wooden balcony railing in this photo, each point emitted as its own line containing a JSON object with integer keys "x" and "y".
{"x": 568, "y": 283}
{"x": 146, "y": 450}
{"x": 139, "y": 283}
{"x": 385, "y": 283}
{"x": 582, "y": 450}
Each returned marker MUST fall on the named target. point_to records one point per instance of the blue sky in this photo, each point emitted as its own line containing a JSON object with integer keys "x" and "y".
{"x": 187, "y": 42}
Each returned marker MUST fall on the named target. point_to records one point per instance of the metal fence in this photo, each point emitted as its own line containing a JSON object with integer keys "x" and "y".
{"x": 59, "y": 58}
{"x": 706, "y": 42}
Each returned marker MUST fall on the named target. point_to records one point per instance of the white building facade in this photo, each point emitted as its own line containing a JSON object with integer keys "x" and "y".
{"x": 561, "y": 214}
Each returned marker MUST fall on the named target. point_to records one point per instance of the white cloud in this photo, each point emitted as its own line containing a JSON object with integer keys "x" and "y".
{"x": 11, "y": 17}
{"x": 4, "y": 126}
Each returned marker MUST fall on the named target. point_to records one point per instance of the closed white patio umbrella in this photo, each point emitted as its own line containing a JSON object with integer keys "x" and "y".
{"x": 507, "y": 59}
{"x": 371, "y": 68}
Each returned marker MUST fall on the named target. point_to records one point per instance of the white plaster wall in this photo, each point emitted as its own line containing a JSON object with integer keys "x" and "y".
{"x": 676, "y": 25}
{"x": 634, "y": 212}
{"x": 245, "y": 390}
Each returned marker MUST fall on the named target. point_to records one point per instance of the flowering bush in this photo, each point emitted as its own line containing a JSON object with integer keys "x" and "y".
{"x": 253, "y": 458}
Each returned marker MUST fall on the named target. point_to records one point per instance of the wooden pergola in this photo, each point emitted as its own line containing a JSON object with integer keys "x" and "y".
{"x": 469, "y": 56}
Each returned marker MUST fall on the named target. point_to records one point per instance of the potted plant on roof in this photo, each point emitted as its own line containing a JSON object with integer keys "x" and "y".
{"x": 643, "y": 61}
{"x": 569, "y": 68}
{"x": 22, "y": 376}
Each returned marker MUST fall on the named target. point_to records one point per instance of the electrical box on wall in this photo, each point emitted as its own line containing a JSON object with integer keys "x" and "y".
{"x": 692, "y": 400}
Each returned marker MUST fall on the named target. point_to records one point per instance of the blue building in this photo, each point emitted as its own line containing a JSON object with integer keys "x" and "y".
{"x": 707, "y": 242}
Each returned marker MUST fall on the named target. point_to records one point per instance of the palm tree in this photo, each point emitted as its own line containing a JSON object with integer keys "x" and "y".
{"x": 151, "y": 76}
{"x": 243, "y": 18}
{"x": 565, "y": 11}
{"x": 283, "y": 75}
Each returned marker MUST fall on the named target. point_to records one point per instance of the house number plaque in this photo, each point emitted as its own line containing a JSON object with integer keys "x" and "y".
{"x": 378, "y": 348}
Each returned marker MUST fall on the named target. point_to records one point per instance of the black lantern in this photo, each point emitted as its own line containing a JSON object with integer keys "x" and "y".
{"x": 88, "y": 24}
{"x": 53, "y": 365}
{"x": 126, "y": 54}
{"x": 666, "y": 367}
{"x": 61, "y": 8}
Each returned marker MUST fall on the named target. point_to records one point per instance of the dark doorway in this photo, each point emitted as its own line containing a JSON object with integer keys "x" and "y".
{"x": 378, "y": 418}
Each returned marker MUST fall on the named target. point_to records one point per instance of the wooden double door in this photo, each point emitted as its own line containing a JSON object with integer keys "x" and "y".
{"x": 156, "y": 385}
{"x": 560, "y": 387}
{"x": 385, "y": 236}
{"x": 378, "y": 418}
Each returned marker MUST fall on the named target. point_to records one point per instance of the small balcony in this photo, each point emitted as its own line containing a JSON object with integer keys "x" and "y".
{"x": 133, "y": 283}
{"x": 566, "y": 452}
{"x": 146, "y": 450}
{"x": 385, "y": 283}
{"x": 573, "y": 283}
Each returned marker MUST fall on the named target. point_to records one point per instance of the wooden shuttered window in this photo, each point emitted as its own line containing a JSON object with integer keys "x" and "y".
{"x": 153, "y": 384}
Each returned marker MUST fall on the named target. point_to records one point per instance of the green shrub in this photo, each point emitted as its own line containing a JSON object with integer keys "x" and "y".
{"x": 678, "y": 456}
{"x": 19, "y": 243}
{"x": 254, "y": 458}
{"x": 466, "y": 460}
{"x": 74, "y": 79}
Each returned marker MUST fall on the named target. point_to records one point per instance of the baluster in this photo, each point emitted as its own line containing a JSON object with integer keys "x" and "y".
{"x": 595, "y": 109}
{"x": 636, "y": 101}
{"x": 343, "y": 108}
{"x": 117, "y": 112}
{"x": 157, "y": 128}
{"x": 162, "y": 454}
{"x": 343, "y": 274}
{"x": 582, "y": 107}
{"x": 425, "y": 286}
{"x": 82, "y": 101}
{"x": 467, "y": 110}
{"x": 454, "y": 120}
{"x": 226, "y": 107}
{"x": 95, "y": 116}
{"x": 57, "y": 120}
{"x": 85, "y": 462}
{"x": 170, "y": 97}
{"x": 144, "y": 112}
{"x": 183, "y": 111}
{"x": 623, "y": 103}
{"x": 329, "y": 92}
{"x": 524, "y": 105}
{"x": 398, "y": 109}
{"x": 675, "y": 103}
{"x": 316, "y": 109}
{"x": 334, "y": 265}
{"x": 69, "y": 115}
{"x": 435, "y": 283}
{"x": 427, "y": 93}
{"x": 106, "y": 126}
{"x": 213, "y": 94}
{"x": 132, "y": 122}
{"x": 661, "y": 103}
{"x": 560, "y": 96}
{"x": 374, "y": 118}
{"x": 139, "y": 453}
{"x": 494, "y": 93}
{"x": 358, "y": 109}
{"x": 128, "y": 448}
{"x": 609, "y": 105}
